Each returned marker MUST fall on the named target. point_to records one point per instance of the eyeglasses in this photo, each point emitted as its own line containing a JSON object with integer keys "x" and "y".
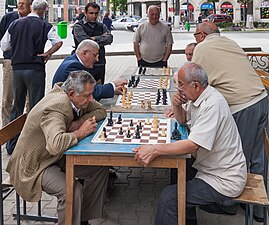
{"x": 91, "y": 13}
{"x": 199, "y": 33}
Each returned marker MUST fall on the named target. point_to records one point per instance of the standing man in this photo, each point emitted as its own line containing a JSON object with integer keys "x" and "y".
{"x": 153, "y": 41}
{"x": 7, "y": 98}
{"x": 84, "y": 59}
{"x": 38, "y": 163}
{"x": 219, "y": 170}
{"x": 89, "y": 28}
{"x": 27, "y": 38}
{"x": 230, "y": 72}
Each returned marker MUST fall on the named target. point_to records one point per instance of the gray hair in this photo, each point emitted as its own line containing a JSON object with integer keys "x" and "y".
{"x": 76, "y": 81}
{"x": 85, "y": 45}
{"x": 153, "y": 7}
{"x": 209, "y": 27}
{"x": 39, "y": 4}
{"x": 194, "y": 72}
{"x": 193, "y": 44}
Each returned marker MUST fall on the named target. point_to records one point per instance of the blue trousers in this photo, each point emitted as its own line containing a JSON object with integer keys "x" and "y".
{"x": 32, "y": 81}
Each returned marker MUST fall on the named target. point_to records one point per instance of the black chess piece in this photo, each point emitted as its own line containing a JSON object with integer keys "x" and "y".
{"x": 137, "y": 133}
{"x": 104, "y": 129}
{"x": 137, "y": 81}
{"x": 131, "y": 123}
{"x": 140, "y": 69}
{"x": 109, "y": 122}
{"x": 140, "y": 125}
{"x": 119, "y": 119}
{"x": 128, "y": 135}
{"x": 111, "y": 115}
{"x": 176, "y": 134}
{"x": 120, "y": 131}
{"x": 130, "y": 83}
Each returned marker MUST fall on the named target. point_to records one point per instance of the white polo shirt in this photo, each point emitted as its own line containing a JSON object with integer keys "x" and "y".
{"x": 219, "y": 160}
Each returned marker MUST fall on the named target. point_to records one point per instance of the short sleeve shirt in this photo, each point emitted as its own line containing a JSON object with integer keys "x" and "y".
{"x": 219, "y": 160}
{"x": 153, "y": 40}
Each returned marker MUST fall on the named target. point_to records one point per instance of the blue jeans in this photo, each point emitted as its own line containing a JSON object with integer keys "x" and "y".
{"x": 32, "y": 81}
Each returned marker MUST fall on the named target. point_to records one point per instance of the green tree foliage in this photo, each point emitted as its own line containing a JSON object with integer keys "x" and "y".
{"x": 119, "y": 5}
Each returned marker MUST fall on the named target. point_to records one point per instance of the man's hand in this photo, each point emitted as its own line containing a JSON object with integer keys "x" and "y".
{"x": 119, "y": 85}
{"x": 87, "y": 128}
{"x": 75, "y": 125}
{"x": 46, "y": 56}
{"x": 169, "y": 113}
{"x": 179, "y": 98}
{"x": 144, "y": 154}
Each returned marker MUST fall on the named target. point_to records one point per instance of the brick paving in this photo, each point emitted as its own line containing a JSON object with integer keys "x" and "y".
{"x": 132, "y": 198}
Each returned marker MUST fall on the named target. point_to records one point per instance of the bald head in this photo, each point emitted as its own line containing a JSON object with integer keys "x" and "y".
{"x": 208, "y": 27}
{"x": 153, "y": 14}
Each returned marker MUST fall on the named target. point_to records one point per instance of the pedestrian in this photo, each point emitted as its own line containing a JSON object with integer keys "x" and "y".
{"x": 27, "y": 38}
{"x": 7, "y": 97}
{"x": 153, "y": 41}
{"x": 246, "y": 97}
{"x": 84, "y": 59}
{"x": 107, "y": 21}
{"x": 90, "y": 28}
{"x": 217, "y": 171}
{"x": 38, "y": 163}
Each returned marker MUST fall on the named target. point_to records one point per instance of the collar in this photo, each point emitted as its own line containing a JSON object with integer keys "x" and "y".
{"x": 213, "y": 35}
{"x": 86, "y": 21}
{"x": 80, "y": 60}
{"x": 75, "y": 108}
{"x": 203, "y": 96}
{"x": 33, "y": 14}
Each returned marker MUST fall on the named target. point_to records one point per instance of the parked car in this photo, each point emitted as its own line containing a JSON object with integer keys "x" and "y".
{"x": 219, "y": 18}
{"x": 120, "y": 24}
{"x": 133, "y": 26}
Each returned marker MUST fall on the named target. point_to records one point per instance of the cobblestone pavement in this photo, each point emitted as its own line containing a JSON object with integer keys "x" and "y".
{"x": 132, "y": 198}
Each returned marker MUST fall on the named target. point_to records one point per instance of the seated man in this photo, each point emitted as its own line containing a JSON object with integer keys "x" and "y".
{"x": 38, "y": 164}
{"x": 219, "y": 170}
{"x": 83, "y": 59}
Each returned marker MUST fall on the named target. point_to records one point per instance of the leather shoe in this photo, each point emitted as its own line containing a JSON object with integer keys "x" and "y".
{"x": 218, "y": 209}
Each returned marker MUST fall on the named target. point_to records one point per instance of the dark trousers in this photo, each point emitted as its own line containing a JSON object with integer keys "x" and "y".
{"x": 98, "y": 72}
{"x": 198, "y": 193}
{"x": 160, "y": 63}
{"x": 32, "y": 81}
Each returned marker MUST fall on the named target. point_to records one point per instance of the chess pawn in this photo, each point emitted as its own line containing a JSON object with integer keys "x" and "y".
{"x": 163, "y": 134}
{"x": 102, "y": 137}
{"x": 148, "y": 121}
{"x": 149, "y": 104}
{"x": 154, "y": 126}
{"x": 164, "y": 70}
{"x": 129, "y": 105}
{"x": 131, "y": 93}
{"x": 168, "y": 71}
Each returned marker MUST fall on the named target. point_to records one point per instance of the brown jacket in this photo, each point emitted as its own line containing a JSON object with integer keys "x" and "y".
{"x": 43, "y": 141}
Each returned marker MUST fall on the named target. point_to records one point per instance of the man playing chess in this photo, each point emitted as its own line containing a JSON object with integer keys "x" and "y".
{"x": 219, "y": 171}
{"x": 38, "y": 164}
{"x": 84, "y": 59}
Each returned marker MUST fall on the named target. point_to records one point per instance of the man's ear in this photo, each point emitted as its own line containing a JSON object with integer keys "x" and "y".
{"x": 71, "y": 94}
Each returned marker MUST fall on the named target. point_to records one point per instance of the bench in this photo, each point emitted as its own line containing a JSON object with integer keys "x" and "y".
{"x": 255, "y": 192}
{"x": 6, "y": 133}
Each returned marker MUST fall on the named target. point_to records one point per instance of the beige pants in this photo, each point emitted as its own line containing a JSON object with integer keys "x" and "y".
{"x": 7, "y": 98}
{"x": 89, "y": 198}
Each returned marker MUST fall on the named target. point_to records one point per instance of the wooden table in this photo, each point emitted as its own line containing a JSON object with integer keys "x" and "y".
{"x": 92, "y": 154}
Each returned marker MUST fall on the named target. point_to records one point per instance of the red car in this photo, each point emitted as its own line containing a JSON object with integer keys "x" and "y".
{"x": 219, "y": 18}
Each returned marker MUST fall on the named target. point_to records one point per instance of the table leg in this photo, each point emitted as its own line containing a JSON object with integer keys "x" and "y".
{"x": 70, "y": 182}
{"x": 181, "y": 191}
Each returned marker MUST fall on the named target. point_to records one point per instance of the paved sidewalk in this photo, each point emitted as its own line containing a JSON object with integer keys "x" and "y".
{"x": 132, "y": 199}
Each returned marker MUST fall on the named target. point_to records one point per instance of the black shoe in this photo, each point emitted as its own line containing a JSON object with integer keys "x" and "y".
{"x": 84, "y": 223}
{"x": 219, "y": 209}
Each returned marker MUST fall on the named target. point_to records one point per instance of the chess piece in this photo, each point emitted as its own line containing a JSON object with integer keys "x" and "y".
{"x": 111, "y": 114}
{"x": 137, "y": 81}
{"x": 120, "y": 131}
{"x": 137, "y": 133}
{"x": 102, "y": 137}
{"x": 130, "y": 83}
{"x": 140, "y": 125}
{"x": 161, "y": 82}
{"x": 143, "y": 105}
{"x": 148, "y": 121}
{"x": 164, "y": 70}
{"x": 119, "y": 119}
{"x": 128, "y": 135}
{"x": 131, "y": 123}
{"x": 109, "y": 122}
{"x": 149, "y": 104}
{"x": 175, "y": 133}
{"x": 104, "y": 130}
{"x": 131, "y": 93}
{"x": 168, "y": 71}
{"x": 163, "y": 134}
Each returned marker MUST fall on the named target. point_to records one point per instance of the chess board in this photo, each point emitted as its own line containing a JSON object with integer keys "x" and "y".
{"x": 146, "y": 96}
{"x": 151, "y": 83}
{"x": 148, "y": 135}
{"x": 152, "y": 71}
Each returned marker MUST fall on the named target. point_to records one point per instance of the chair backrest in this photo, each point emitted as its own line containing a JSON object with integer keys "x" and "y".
{"x": 12, "y": 129}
